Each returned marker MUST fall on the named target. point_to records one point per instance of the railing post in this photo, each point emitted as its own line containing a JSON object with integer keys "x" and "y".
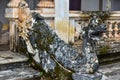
{"x": 116, "y": 30}
{"x": 110, "y": 30}
{"x": 104, "y": 35}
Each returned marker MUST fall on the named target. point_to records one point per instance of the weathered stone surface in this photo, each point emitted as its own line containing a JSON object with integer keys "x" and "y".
{"x": 14, "y": 66}
{"x": 113, "y": 45}
{"x": 4, "y": 38}
{"x": 18, "y": 74}
{"x": 7, "y": 57}
{"x": 111, "y": 71}
{"x": 96, "y": 76}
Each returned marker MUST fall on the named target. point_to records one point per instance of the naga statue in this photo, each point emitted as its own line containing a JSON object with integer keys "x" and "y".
{"x": 50, "y": 52}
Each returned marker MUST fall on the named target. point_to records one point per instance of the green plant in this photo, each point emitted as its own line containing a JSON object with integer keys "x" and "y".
{"x": 40, "y": 74}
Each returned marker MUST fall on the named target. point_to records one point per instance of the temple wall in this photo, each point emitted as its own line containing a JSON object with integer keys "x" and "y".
{"x": 93, "y": 5}
{"x": 85, "y": 5}
{"x": 4, "y": 34}
{"x": 3, "y": 5}
{"x": 115, "y": 5}
{"x": 89, "y": 5}
{"x": 52, "y": 19}
{"x": 32, "y": 3}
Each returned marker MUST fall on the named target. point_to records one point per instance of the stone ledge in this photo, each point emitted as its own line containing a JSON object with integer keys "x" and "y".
{"x": 8, "y": 57}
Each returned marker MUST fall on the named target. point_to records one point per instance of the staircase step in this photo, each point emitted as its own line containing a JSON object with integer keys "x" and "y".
{"x": 109, "y": 58}
{"x": 10, "y": 60}
{"x": 109, "y": 55}
{"x": 8, "y": 57}
{"x": 111, "y": 71}
{"x": 14, "y": 66}
{"x": 19, "y": 74}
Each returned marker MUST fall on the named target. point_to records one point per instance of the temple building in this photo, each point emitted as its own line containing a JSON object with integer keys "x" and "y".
{"x": 54, "y": 12}
{"x": 66, "y": 17}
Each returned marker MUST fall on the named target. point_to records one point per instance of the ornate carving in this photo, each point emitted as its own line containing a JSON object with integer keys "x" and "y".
{"x": 104, "y": 35}
{"x": 46, "y": 6}
{"x": 13, "y": 3}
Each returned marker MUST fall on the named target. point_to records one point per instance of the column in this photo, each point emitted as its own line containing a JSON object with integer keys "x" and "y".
{"x": 62, "y": 19}
{"x": 45, "y": 6}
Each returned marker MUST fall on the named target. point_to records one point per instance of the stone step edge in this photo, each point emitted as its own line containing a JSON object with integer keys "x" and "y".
{"x": 9, "y": 61}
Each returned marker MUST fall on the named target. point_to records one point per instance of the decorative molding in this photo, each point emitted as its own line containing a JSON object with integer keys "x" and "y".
{"x": 46, "y": 6}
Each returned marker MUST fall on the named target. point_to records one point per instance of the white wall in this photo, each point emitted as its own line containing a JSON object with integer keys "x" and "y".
{"x": 90, "y": 5}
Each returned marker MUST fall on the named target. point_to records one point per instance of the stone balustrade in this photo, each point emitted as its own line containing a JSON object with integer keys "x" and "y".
{"x": 113, "y": 31}
{"x": 112, "y": 24}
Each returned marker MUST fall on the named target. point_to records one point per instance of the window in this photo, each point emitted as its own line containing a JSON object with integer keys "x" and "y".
{"x": 115, "y": 5}
{"x": 89, "y": 5}
{"x": 75, "y": 5}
